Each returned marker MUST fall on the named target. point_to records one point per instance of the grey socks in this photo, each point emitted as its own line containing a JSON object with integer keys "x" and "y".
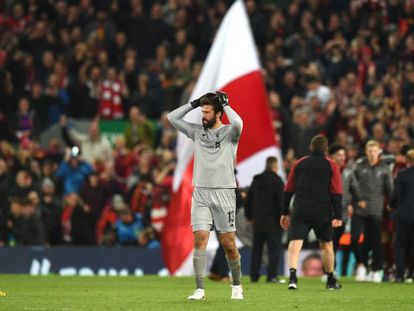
{"x": 235, "y": 268}
{"x": 199, "y": 264}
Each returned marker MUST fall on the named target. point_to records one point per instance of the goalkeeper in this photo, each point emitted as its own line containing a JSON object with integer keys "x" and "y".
{"x": 214, "y": 195}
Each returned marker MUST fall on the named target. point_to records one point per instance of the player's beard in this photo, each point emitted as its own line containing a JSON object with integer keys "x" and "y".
{"x": 208, "y": 124}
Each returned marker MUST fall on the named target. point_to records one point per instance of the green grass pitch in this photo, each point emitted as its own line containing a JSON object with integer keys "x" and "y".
{"x": 170, "y": 293}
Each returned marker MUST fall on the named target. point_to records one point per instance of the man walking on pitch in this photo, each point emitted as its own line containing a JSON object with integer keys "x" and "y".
{"x": 315, "y": 181}
{"x": 214, "y": 196}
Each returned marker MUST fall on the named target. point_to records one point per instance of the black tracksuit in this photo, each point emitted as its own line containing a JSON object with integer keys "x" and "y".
{"x": 316, "y": 182}
{"x": 263, "y": 205}
{"x": 402, "y": 200}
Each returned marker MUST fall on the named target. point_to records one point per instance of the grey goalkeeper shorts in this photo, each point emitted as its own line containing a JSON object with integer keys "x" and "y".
{"x": 213, "y": 208}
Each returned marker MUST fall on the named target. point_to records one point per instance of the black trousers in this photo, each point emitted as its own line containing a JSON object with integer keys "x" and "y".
{"x": 273, "y": 242}
{"x": 371, "y": 227}
{"x": 404, "y": 241}
{"x": 336, "y": 237}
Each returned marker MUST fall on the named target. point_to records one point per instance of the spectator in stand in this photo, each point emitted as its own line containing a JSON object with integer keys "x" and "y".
{"x": 8, "y": 153}
{"x": 18, "y": 20}
{"x": 147, "y": 96}
{"x": 96, "y": 149}
{"x": 87, "y": 93}
{"x": 139, "y": 129}
{"x": 52, "y": 153}
{"x": 23, "y": 184}
{"x": 44, "y": 71}
{"x": 166, "y": 135}
{"x": 39, "y": 105}
{"x": 56, "y": 99}
{"x": 73, "y": 171}
{"x": 129, "y": 74}
{"x": 105, "y": 227}
{"x": 11, "y": 221}
{"x": 4, "y": 130}
{"x": 163, "y": 179}
{"x": 25, "y": 123}
{"x": 141, "y": 197}
{"x": 128, "y": 227}
{"x": 51, "y": 213}
{"x": 145, "y": 165}
{"x": 317, "y": 90}
{"x": 148, "y": 239}
{"x": 408, "y": 87}
{"x": 94, "y": 195}
{"x": 117, "y": 54}
{"x": 6, "y": 181}
{"x": 124, "y": 160}
{"x": 76, "y": 225}
{"x": 300, "y": 128}
{"x": 8, "y": 96}
{"x": 102, "y": 27}
{"x": 25, "y": 224}
{"x": 112, "y": 91}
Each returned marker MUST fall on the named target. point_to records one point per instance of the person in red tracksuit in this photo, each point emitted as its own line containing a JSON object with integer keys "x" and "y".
{"x": 316, "y": 182}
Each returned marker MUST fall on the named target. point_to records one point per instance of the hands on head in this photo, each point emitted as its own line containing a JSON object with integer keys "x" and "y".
{"x": 221, "y": 97}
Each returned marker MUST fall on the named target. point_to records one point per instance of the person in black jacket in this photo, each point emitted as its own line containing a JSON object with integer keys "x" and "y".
{"x": 25, "y": 226}
{"x": 263, "y": 206}
{"x": 316, "y": 182}
{"x": 402, "y": 200}
{"x": 350, "y": 198}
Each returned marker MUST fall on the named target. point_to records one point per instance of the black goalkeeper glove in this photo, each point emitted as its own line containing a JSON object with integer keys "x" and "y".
{"x": 196, "y": 102}
{"x": 223, "y": 99}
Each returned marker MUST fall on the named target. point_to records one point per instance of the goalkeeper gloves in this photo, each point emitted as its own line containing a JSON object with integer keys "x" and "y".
{"x": 197, "y": 102}
{"x": 222, "y": 98}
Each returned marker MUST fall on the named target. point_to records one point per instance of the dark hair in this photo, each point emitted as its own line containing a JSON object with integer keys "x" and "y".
{"x": 20, "y": 200}
{"x": 311, "y": 79}
{"x": 405, "y": 149}
{"x": 212, "y": 100}
{"x": 270, "y": 163}
{"x": 320, "y": 143}
{"x": 334, "y": 148}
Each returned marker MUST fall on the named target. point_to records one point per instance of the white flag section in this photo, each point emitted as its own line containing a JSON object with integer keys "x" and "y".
{"x": 232, "y": 65}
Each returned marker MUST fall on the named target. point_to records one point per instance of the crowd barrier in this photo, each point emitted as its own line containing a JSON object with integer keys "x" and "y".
{"x": 87, "y": 261}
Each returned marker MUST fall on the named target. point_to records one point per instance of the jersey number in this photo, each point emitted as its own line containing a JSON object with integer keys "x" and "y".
{"x": 231, "y": 216}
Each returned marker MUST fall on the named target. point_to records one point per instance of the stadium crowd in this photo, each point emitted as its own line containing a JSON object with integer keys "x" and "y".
{"x": 342, "y": 68}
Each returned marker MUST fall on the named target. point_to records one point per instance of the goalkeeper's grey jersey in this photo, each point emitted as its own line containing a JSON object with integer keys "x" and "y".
{"x": 215, "y": 149}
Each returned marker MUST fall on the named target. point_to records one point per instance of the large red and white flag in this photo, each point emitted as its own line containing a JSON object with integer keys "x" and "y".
{"x": 232, "y": 66}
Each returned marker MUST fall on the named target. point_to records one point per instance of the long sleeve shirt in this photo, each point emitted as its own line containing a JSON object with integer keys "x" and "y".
{"x": 215, "y": 149}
